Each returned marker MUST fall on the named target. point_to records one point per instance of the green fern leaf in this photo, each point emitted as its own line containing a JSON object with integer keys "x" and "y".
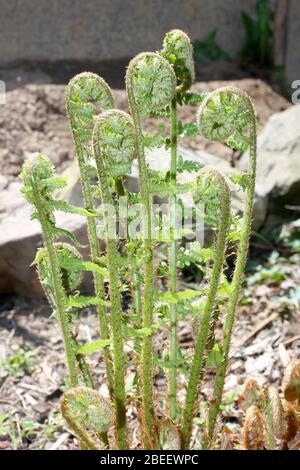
{"x": 81, "y": 301}
{"x": 93, "y": 347}
{"x": 74, "y": 264}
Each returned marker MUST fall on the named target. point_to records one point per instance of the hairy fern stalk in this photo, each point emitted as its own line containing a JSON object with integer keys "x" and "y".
{"x": 107, "y": 141}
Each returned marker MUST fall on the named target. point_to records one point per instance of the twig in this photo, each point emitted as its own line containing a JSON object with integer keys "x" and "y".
{"x": 289, "y": 341}
{"x": 256, "y": 330}
{"x": 60, "y": 441}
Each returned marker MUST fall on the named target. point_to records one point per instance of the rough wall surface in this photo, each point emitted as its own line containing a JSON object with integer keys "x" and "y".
{"x": 293, "y": 42}
{"x": 104, "y": 30}
{"x": 96, "y": 30}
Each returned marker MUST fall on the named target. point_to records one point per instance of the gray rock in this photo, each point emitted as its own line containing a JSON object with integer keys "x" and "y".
{"x": 278, "y": 167}
{"x": 159, "y": 160}
{"x": 19, "y": 239}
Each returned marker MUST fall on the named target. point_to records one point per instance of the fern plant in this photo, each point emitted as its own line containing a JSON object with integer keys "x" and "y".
{"x": 178, "y": 50}
{"x": 107, "y": 141}
{"x": 86, "y": 95}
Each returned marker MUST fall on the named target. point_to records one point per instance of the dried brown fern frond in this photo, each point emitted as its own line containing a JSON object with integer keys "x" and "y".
{"x": 291, "y": 422}
{"x": 251, "y": 394}
{"x": 253, "y": 429}
{"x": 291, "y": 381}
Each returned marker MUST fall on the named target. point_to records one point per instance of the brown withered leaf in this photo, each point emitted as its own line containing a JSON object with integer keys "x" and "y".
{"x": 253, "y": 429}
{"x": 291, "y": 381}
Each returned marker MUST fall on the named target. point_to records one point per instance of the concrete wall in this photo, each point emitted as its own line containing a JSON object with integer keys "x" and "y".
{"x": 293, "y": 42}
{"x": 100, "y": 30}
{"x": 96, "y": 30}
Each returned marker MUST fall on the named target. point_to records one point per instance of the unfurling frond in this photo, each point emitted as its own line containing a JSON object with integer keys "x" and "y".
{"x": 291, "y": 381}
{"x": 151, "y": 82}
{"x": 251, "y": 394}
{"x": 253, "y": 435}
{"x": 178, "y": 50}
{"x": 88, "y": 414}
{"x": 116, "y": 138}
{"x": 70, "y": 279}
{"x": 226, "y": 116}
{"x": 87, "y": 95}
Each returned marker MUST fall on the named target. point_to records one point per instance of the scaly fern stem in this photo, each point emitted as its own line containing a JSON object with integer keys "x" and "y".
{"x": 235, "y": 291}
{"x": 85, "y": 372}
{"x": 95, "y": 257}
{"x": 61, "y": 299}
{"x": 137, "y": 303}
{"x": 148, "y": 280}
{"x": 137, "y": 299}
{"x": 199, "y": 354}
{"x": 116, "y": 315}
{"x": 173, "y": 266}
{"x": 95, "y": 88}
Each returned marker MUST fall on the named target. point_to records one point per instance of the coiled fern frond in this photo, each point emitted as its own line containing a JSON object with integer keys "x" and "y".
{"x": 178, "y": 50}
{"x": 227, "y": 115}
{"x": 89, "y": 416}
{"x": 150, "y": 85}
{"x": 150, "y": 82}
{"x": 87, "y": 95}
{"x": 116, "y": 135}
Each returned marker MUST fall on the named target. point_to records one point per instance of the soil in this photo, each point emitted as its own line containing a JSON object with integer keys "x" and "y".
{"x": 31, "y": 385}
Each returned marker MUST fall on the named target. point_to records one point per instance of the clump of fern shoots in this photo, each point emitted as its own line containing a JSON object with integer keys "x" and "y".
{"x": 107, "y": 141}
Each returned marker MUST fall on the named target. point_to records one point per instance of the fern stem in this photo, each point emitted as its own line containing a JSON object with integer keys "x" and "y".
{"x": 85, "y": 372}
{"x": 137, "y": 298}
{"x": 91, "y": 223}
{"x": 116, "y": 312}
{"x": 150, "y": 84}
{"x": 98, "y": 280}
{"x": 61, "y": 299}
{"x": 173, "y": 266}
{"x": 148, "y": 280}
{"x": 201, "y": 343}
{"x": 235, "y": 286}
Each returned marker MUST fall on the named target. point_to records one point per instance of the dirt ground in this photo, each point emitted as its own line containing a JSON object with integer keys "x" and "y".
{"x": 32, "y": 378}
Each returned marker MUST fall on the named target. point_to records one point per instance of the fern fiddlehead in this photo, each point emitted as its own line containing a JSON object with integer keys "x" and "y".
{"x": 89, "y": 416}
{"x": 114, "y": 146}
{"x": 150, "y": 84}
{"x": 86, "y": 95}
{"x": 178, "y": 50}
{"x": 213, "y": 183}
{"x": 38, "y": 185}
{"x": 227, "y": 115}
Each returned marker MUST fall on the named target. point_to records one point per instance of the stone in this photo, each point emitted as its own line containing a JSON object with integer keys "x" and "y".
{"x": 278, "y": 153}
{"x": 19, "y": 239}
{"x": 159, "y": 160}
